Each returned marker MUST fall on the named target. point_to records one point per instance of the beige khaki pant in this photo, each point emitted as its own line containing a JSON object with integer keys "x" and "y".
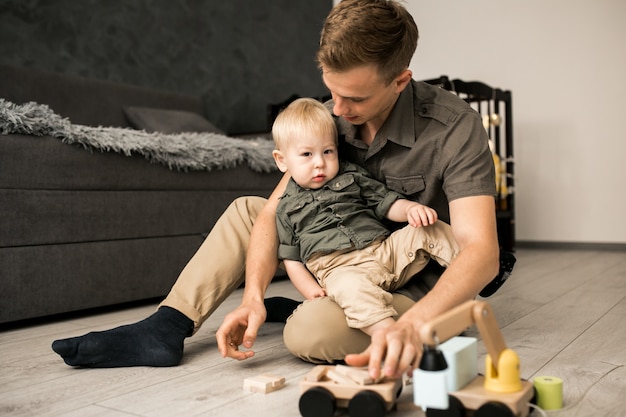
{"x": 316, "y": 332}
{"x": 359, "y": 281}
{"x": 217, "y": 268}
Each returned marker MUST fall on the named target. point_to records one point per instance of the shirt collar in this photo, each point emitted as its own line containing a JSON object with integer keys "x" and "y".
{"x": 398, "y": 128}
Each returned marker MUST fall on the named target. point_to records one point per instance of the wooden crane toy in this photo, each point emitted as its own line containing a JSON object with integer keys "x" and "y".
{"x": 499, "y": 393}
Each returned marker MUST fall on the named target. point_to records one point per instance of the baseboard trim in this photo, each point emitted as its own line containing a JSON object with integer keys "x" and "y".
{"x": 528, "y": 244}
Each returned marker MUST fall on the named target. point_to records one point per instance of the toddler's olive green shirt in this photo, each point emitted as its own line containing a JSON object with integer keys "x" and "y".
{"x": 345, "y": 213}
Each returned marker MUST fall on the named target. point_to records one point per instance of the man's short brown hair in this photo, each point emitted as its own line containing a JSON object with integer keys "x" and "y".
{"x": 362, "y": 32}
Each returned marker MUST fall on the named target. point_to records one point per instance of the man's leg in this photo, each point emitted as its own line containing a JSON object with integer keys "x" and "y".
{"x": 317, "y": 331}
{"x": 216, "y": 269}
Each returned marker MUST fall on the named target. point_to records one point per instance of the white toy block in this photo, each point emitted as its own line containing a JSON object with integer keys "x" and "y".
{"x": 461, "y": 355}
{"x": 263, "y": 383}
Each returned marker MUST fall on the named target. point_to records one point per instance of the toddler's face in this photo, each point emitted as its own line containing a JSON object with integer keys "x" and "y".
{"x": 312, "y": 160}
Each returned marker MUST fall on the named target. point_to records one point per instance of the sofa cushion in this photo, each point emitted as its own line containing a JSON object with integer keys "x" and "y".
{"x": 46, "y": 163}
{"x": 168, "y": 121}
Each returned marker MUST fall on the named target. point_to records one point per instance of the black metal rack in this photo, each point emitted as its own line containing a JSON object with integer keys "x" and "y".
{"x": 495, "y": 106}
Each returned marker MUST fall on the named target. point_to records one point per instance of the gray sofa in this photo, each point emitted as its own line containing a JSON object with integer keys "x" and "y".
{"x": 81, "y": 229}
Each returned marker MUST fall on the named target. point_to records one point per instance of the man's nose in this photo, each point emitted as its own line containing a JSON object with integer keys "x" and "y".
{"x": 340, "y": 107}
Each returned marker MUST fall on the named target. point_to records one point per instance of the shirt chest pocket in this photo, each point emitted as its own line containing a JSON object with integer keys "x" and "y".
{"x": 407, "y": 185}
{"x": 341, "y": 183}
{"x": 300, "y": 205}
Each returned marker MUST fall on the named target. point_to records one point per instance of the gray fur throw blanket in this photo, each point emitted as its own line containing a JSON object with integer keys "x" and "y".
{"x": 184, "y": 151}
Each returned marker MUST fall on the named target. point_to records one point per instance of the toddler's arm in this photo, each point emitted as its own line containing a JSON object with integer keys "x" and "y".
{"x": 414, "y": 213}
{"x": 302, "y": 279}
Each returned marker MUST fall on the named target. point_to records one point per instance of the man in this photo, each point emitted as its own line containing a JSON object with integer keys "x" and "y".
{"x": 419, "y": 140}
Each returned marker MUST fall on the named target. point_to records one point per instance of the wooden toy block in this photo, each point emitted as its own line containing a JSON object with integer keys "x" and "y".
{"x": 316, "y": 374}
{"x": 264, "y": 383}
{"x": 359, "y": 375}
{"x": 339, "y": 378}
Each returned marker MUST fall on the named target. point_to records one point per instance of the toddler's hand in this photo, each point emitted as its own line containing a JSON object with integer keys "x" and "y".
{"x": 419, "y": 215}
{"x": 318, "y": 293}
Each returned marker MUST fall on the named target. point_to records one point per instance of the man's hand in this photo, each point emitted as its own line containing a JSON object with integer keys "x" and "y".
{"x": 240, "y": 327}
{"x": 393, "y": 351}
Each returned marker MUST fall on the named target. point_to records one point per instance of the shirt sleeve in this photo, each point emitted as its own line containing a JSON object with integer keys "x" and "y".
{"x": 468, "y": 168}
{"x": 288, "y": 248}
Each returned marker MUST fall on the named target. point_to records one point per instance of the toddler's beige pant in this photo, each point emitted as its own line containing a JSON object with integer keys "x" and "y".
{"x": 360, "y": 280}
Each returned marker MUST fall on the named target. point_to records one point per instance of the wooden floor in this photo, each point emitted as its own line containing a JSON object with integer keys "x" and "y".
{"x": 563, "y": 312}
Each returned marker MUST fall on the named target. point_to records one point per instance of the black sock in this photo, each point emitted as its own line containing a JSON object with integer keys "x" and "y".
{"x": 507, "y": 262}
{"x": 279, "y": 309}
{"x": 155, "y": 341}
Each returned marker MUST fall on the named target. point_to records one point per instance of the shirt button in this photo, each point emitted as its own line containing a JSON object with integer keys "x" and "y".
{"x": 410, "y": 254}
{"x": 431, "y": 246}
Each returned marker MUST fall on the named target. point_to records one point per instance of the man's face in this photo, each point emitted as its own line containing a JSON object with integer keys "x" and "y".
{"x": 360, "y": 96}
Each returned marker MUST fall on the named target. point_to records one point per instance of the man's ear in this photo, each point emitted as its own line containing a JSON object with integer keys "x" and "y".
{"x": 403, "y": 79}
{"x": 280, "y": 160}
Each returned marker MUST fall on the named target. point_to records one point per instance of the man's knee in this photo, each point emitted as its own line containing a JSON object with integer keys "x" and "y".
{"x": 317, "y": 332}
{"x": 248, "y": 204}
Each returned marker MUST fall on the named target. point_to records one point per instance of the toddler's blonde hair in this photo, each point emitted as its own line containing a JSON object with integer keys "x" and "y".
{"x": 301, "y": 117}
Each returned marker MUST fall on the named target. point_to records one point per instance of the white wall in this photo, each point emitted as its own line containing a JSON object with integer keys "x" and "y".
{"x": 565, "y": 64}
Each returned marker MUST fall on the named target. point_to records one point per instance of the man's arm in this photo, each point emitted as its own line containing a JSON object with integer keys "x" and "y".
{"x": 474, "y": 226}
{"x": 242, "y": 324}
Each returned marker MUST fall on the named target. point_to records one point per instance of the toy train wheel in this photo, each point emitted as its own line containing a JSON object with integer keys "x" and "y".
{"x": 455, "y": 409}
{"x": 367, "y": 404}
{"x": 494, "y": 409}
{"x": 317, "y": 402}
